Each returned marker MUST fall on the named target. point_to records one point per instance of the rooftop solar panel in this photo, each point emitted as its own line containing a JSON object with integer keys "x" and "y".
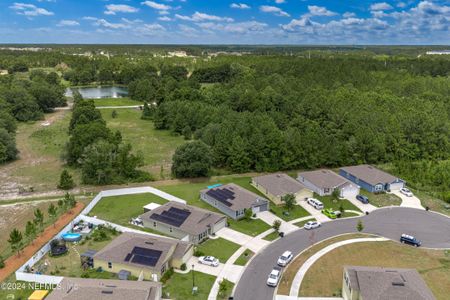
{"x": 144, "y": 260}
{"x": 144, "y": 256}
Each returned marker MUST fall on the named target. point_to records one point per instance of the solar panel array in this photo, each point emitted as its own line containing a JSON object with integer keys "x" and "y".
{"x": 144, "y": 256}
{"x": 174, "y": 216}
{"x": 223, "y": 195}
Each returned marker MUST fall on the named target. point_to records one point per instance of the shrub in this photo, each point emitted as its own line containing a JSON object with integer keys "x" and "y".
{"x": 66, "y": 181}
{"x": 183, "y": 267}
{"x": 2, "y": 263}
{"x": 198, "y": 253}
{"x": 167, "y": 275}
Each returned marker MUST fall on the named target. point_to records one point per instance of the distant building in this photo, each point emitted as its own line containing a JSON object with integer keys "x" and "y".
{"x": 371, "y": 179}
{"x": 275, "y": 186}
{"x": 177, "y": 54}
{"x": 142, "y": 255}
{"x": 105, "y": 289}
{"x": 438, "y": 52}
{"x": 375, "y": 283}
{"x": 3, "y": 72}
{"x": 185, "y": 222}
{"x": 325, "y": 182}
{"x": 233, "y": 200}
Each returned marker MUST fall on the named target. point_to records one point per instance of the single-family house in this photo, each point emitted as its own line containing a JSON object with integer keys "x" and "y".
{"x": 372, "y": 179}
{"x": 370, "y": 283}
{"x": 233, "y": 200}
{"x": 144, "y": 256}
{"x": 325, "y": 182}
{"x": 105, "y": 289}
{"x": 185, "y": 222}
{"x": 275, "y": 186}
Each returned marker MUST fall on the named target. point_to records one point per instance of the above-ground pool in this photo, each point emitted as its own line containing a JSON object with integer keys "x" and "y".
{"x": 71, "y": 237}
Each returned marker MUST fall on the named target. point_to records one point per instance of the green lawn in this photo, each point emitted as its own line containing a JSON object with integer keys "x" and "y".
{"x": 19, "y": 289}
{"x": 302, "y": 223}
{"x": 271, "y": 236}
{"x": 223, "y": 295}
{"x": 219, "y": 248}
{"x": 244, "y": 258}
{"x": 380, "y": 200}
{"x": 331, "y": 202}
{"x": 120, "y": 209}
{"x": 157, "y": 146}
{"x": 179, "y": 287}
{"x": 295, "y": 213}
{"x": 125, "y": 101}
{"x": 251, "y": 227}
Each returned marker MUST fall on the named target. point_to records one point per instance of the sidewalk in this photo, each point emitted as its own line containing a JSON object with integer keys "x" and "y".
{"x": 269, "y": 218}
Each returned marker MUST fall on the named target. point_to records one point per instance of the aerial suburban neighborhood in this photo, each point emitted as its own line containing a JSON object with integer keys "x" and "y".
{"x": 256, "y": 150}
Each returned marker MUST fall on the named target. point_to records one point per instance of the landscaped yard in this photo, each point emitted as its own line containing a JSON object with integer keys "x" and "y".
{"x": 380, "y": 200}
{"x": 335, "y": 204}
{"x": 251, "y": 227}
{"x": 295, "y": 213}
{"x": 179, "y": 286}
{"x": 324, "y": 278}
{"x": 272, "y": 236}
{"x": 18, "y": 289}
{"x": 125, "y": 101}
{"x": 219, "y": 248}
{"x": 244, "y": 258}
{"x": 120, "y": 209}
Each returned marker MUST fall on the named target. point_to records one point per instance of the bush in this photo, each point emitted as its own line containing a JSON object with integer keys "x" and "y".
{"x": 183, "y": 267}
{"x": 65, "y": 181}
{"x": 198, "y": 253}
{"x": 2, "y": 263}
{"x": 167, "y": 275}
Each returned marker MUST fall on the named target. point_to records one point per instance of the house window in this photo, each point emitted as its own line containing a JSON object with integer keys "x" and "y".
{"x": 109, "y": 265}
{"x": 154, "y": 224}
{"x": 356, "y": 180}
{"x": 163, "y": 269}
{"x": 378, "y": 187}
{"x": 170, "y": 229}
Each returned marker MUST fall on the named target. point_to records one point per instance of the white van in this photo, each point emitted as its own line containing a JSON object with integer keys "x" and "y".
{"x": 315, "y": 203}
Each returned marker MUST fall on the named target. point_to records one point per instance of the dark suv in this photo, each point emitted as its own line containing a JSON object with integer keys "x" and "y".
{"x": 363, "y": 199}
{"x": 409, "y": 239}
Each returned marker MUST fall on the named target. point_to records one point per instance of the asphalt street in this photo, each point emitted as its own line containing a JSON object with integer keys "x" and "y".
{"x": 431, "y": 228}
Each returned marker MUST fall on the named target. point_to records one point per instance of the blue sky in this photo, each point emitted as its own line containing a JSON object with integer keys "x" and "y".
{"x": 225, "y": 21}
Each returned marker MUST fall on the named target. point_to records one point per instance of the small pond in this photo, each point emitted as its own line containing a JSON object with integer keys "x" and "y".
{"x": 98, "y": 92}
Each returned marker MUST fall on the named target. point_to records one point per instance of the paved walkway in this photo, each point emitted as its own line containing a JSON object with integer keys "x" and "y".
{"x": 361, "y": 206}
{"x": 296, "y": 283}
{"x": 412, "y": 202}
{"x": 269, "y": 218}
{"x": 253, "y": 243}
{"x": 301, "y": 219}
{"x": 317, "y": 214}
{"x": 283, "y": 297}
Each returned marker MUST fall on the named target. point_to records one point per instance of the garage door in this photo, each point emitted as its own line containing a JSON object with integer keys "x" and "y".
{"x": 396, "y": 186}
{"x": 349, "y": 191}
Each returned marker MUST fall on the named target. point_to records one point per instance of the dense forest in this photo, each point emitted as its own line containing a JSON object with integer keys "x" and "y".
{"x": 308, "y": 109}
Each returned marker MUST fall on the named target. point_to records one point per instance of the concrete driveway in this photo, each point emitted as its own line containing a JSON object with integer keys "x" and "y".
{"x": 412, "y": 202}
{"x": 269, "y": 218}
{"x": 253, "y": 243}
{"x": 317, "y": 214}
{"x": 362, "y": 207}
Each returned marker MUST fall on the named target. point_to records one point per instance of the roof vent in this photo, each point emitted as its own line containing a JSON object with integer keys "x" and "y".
{"x": 108, "y": 292}
{"x": 324, "y": 172}
{"x": 149, "y": 243}
{"x": 279, "y": 175}
{"x": 398, "y": 281}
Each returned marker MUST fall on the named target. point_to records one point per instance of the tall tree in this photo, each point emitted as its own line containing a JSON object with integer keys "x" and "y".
{"x": 15, "y": 240}
{"x": 38, "y": 218}
{"x": 289, "y": 201}
{"x": 66, "y": 181}
{"x": 192, "y": 160}
{"x": 30, "y": 231}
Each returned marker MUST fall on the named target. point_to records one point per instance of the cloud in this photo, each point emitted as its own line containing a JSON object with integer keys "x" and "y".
{"x": 63, "y": 23}
{"x": 106, "y": 24}
{"x": 30, "y": 10}
{"x": 157, "y": 6}
{"x": 401, "y": 4}
{"x": 200, "y": 17}
{"x": 112, "y": 9}
{"x": 280, "y": 1}
{"x": 165, "y": 19}
{"x": 273, "y": 10}
{"x": 348, "y": 14}
{"x": 380, "y": 6}
{"x": 320, "y": 11}
{"x": 240, "y": 28}
{"x": 239, "y": 6}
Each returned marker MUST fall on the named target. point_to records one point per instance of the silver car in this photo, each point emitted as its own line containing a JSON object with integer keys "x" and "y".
{"x": 311, "y": 225}
{"x": 274, "y": 277}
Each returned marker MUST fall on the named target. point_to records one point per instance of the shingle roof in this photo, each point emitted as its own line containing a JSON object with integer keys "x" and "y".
{"x": 120, "y": 247}
{"x": 196, "y": 222}
{"x": 105, "y": 289}
{"x": 279, "y": 184}
{"x": 370, "y": 174}
{"x": 324, "y": 178}
{"x": 378, "y": 283}
{"x": 239, "y": 198}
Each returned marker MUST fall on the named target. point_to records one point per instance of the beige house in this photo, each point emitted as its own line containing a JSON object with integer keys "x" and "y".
{"x": 325, "y": 182}
{"x": 375, "y": 283}
{"x": 142, "y": 255}
{"x": 185, "y": 222}
{"x": 105, "y": 289}
{"x": 275, "y": 186}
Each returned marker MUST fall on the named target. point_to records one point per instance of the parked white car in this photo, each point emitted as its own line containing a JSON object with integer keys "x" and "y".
{"x": 311, "y": 225}
{"x": 285, "y": 258}
{"x": 209, "y": 261}
{"x": 406, "y": 192}
{"x": 315, "y": 203}
{"x": 274, "y": 277}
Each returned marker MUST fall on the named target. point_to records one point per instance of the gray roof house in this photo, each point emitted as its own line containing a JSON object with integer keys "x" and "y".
{"x": 371, "y": 179}
{"x": 324, "y": 182}
{"x": 143, "y": 255}
{"x": 105, "y": 289}
{"x": 277, "y": 185}
{"x": 375, "y": 283}
{"x": 233, "y": 200}
{"x": 185, "y": 222}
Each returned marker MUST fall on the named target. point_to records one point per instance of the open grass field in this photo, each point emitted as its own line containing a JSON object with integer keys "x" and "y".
{"x": 219, "y": 248}
{"x": 244, "y": 258}
{"x": 325, "y": 277}
{"x": 125, "y": 101}
{"x": 157, "y": 146}
{"x": 179, "y": 287}
{"x": 290, "y": 272}
{"x": 120, "y": 209}
{"x": 380, "y": 200}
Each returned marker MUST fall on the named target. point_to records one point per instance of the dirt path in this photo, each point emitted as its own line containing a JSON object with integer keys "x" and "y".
{"x": 14, "y": 262}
